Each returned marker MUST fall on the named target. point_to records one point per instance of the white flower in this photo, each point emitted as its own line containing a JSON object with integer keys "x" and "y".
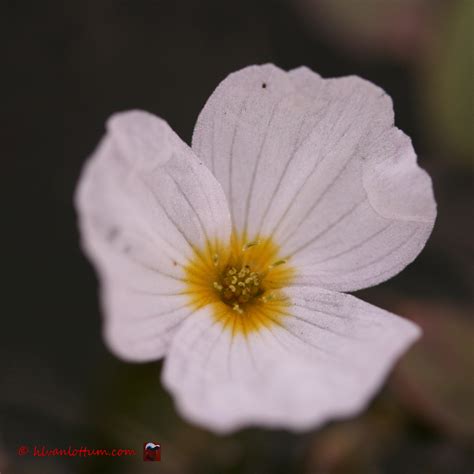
{"x": 232, "y": 267}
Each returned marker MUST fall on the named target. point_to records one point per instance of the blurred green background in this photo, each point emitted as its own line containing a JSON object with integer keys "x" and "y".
{"x": 68, "y": 66}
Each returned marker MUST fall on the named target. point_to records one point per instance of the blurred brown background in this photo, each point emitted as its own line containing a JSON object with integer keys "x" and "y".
{"x": 67, "y": 67}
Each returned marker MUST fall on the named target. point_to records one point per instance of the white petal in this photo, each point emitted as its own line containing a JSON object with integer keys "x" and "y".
{"x": 325, "y": 360}
{"x": 319, "y": 165}
{"x": 144, "y": 200}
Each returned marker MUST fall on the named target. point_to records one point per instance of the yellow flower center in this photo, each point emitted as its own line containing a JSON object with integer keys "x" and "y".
{"x": 243, "y": 283}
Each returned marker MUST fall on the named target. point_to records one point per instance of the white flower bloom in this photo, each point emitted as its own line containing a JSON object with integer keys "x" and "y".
{"x": 229, "y": 257}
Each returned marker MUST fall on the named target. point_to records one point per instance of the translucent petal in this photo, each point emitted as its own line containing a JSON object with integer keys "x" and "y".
{"x": 318, "y": 165}
{"x": 324, "y": 359}
{"x": 144, "y": 202}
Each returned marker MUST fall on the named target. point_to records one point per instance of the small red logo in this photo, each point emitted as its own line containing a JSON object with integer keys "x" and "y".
{"x": 151, "y": 451}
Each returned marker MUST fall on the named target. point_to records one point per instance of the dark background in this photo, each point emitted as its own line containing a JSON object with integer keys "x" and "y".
{"x": 66, "y": 66}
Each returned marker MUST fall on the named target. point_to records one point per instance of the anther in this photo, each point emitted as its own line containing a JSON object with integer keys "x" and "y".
{"x": 228, "y": 294}
{"x": 238, "y": 286}
{"x": 250, "y": 244}
{"x": 237, "y": 308}
{"x": 275, "y": 264}
{"x": 268, "y": 298}
{"x": 215, "y": 259}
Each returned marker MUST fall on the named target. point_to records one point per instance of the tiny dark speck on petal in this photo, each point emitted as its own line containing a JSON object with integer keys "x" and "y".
{"x": 264, "y": 85}
{"x": 175, "y": 263}
{"x": 112, "y": 234}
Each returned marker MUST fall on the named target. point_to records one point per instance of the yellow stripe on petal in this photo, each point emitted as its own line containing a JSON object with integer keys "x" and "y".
{"x": 242, "y": 282}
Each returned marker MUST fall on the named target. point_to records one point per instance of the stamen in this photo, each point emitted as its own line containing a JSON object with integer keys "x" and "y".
{"x": 250, "y": 244}
{"x": 237, "y": 308}
{"x": 268, "y": 298}
{"x": 238, "y": 286}
{"x": 215, "y": 259}
{"x": 278, "y": 262}
{"x": 243, "y": 272}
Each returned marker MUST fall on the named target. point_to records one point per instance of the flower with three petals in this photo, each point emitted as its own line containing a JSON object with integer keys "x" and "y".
{"x": 231, "y": 258}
